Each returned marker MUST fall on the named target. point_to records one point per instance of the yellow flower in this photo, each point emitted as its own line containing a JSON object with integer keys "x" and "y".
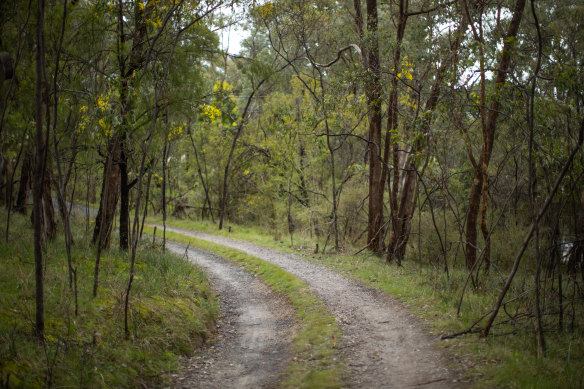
{"x": 103, "y": 103}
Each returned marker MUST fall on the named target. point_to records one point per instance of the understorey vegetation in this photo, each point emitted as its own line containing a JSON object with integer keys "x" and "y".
{"x": 173, "y": 313}
{"x": 441, "y": 138}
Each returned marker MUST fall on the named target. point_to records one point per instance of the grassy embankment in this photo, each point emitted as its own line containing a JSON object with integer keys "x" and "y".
{"x": 315, "y": 362}
{"x": 172, "y": 311}
{"x": 508, "y": 358}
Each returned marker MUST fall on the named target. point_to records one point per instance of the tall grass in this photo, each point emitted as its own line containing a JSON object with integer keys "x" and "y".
{"x": 172, "y": 312}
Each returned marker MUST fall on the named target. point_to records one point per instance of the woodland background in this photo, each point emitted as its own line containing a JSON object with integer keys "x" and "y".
{"x": 445, "y": 134}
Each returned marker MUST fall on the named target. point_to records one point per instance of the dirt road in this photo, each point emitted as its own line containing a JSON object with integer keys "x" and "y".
{"x": 255, "y": 330}
{"x": 384, "y": 345}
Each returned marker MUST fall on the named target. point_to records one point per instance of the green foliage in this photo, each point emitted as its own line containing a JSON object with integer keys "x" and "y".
{"x": 172, "y": 312}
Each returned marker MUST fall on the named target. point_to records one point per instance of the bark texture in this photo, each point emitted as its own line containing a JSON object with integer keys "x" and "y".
{"x": 109, "y": 194}
{"x": 373, "y": 94}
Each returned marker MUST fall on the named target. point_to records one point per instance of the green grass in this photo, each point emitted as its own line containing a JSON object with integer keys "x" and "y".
{"x": 501, "y": 360}
{"x": 508, "y": 358}
{"x": 258, "y": 235}
{"x": 172, "y": 312}
{"x": 315, "y": 362}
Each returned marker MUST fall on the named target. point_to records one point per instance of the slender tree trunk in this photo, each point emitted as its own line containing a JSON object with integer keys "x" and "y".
{"x": 10, "y": 189}
{"x": 124, "y": 198}
{"x": 164, "y": 156}
{"x": 200, "y": 173}
{"x": 61, "y": 181}
{"x": 397, "y": 224}
{"x": 402, "y": 211}
{"x": 109, "y": 194}
{"x": 38, "y": 184}
{"x": 477, "y": 190}
{"x": 335, "y": 205}
{"x": 576, "y": 258}
{"x": 146, "y": 200}
{"x": 25, "y": 183}
{"x": 373, "y": 93}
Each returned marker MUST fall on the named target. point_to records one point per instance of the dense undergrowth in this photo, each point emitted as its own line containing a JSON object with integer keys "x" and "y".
{"x": 508, "y": 357}
{"x": 315, "y": 361}
{"x": 172, "y": 311}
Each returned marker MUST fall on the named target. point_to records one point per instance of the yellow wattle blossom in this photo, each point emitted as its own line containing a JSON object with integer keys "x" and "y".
{"x": 175, "y": 132}
{"x": 475, "y": 98}
{"x": 103, "y": 102}
{"x": 210, "y": 111}
{"x": 83, "y": 123}
{"x": 266, "y": 9}
{"x": 406, "y": 69}
{"x": 227, "y": 87}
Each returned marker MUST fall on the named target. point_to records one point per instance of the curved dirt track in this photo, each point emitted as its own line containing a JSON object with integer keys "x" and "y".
{"x": 384, "y": 346}
{"x": 256, "y": 326}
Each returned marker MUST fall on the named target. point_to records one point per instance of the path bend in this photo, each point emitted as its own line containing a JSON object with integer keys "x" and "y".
{"x": 383, "y": 344}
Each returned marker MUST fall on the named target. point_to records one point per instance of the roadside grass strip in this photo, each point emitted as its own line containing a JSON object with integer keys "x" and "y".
{"x": 508, "y": 358}
{"x": 173, "y": 311}
{"x": 315, "y": 362}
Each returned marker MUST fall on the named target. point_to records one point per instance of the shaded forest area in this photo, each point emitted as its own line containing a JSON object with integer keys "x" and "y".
{"x": 445, "y": 133}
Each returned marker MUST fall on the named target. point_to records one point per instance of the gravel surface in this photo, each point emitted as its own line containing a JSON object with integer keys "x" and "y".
{"x": 255, "y": 330}
{"x": 383, "y": 344}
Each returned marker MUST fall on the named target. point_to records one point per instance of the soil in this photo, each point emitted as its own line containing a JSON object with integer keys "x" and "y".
{"x": 384, "y": 346}
{"x": 254, "y": 330}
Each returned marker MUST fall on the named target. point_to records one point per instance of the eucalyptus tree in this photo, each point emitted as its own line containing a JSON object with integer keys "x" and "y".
{"x": 296, "y": 37}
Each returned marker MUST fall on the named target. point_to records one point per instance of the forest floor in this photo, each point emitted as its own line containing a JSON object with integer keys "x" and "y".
{"x": 383, "y": 345}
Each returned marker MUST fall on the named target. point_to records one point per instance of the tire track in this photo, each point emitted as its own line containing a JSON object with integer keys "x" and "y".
{"x": 256, "y": 326}
{"x": 384, "y": 345}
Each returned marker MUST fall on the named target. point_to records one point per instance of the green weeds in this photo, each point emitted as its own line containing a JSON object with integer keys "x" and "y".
{"x": 172, "y": 312}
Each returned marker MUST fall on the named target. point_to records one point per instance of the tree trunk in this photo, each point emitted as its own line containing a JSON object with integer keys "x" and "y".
{"x": 207, "y": 200}
{"x": 397, "y": 224}
{"x": 124, "y": 198}
{"x": 576, "y": 257}
{"x": 490, "y": 127}
{"x": 25, "y": 183}
{"x": 403, "y": 211}
{"x": 164, "y": 157}
{"x": 373, "y": 93}
{"x": 38, "y": 184}
{"x": 109, "y": 194}
{"x": 146, "y": 200}
{"x": 48, "y": 210}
